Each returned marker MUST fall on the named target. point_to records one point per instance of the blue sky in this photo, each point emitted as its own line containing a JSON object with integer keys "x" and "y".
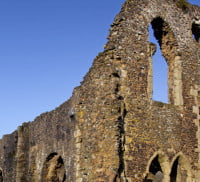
{"x": 46, "y": 47}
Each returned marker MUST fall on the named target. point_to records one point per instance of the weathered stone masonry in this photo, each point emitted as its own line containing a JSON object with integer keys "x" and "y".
{"x": 111, "y": 130}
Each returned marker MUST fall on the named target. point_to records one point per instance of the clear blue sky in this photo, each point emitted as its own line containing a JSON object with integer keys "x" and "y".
{"x": 46, "y": 47}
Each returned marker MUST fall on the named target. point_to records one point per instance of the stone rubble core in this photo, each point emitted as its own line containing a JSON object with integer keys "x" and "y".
{"x": 111, "y": 130}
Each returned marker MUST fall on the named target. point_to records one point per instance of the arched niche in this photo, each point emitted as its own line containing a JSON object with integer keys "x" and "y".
{"x": 157, "y": 168}
{"x": 1, "y": 175}
{"x": 169, "y": 49}
{"x": 180, "y": 169}
{"x": 53, "y": 169}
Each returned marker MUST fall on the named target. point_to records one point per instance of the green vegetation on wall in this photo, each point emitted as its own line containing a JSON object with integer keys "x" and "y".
{"x": 183, "y": 4}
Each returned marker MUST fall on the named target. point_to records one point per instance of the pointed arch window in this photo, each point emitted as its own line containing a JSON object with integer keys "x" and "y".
{"x": 160, "y": 71}
{"x": 167, "y": 86}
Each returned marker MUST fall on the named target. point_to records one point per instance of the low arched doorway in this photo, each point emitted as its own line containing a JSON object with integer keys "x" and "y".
{"x": 180, "y": 170}
{"x": 158, "y": 168}
{"x": 53, "y": 169}
{"x": 155, "y": 171}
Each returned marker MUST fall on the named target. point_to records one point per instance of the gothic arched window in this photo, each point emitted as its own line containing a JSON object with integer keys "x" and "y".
{"x": 168, "y": 90}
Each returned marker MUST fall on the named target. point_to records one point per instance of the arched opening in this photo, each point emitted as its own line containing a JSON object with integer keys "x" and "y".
{"x": 1, "y": 175}
{"x": 196, "y": 30}
{"x": 155, "y": 172}
{"x": 160, "y": 72}
{"x": 180, "y": 170}
{"x": 167, "y": 85}
{"x": 53, "y": 169}
{"x": 173, "y": 175}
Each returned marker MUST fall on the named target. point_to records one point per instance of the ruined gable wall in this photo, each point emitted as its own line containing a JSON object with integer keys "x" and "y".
{"x": 148, "y": 127}
{"x": 144, "y": 126}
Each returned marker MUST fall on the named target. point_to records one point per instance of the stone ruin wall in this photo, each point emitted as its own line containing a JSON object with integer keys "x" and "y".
{"x": 111, "y": 130}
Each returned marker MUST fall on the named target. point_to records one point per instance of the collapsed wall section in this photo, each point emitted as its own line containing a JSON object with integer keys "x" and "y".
{"x": 24, "y": 154}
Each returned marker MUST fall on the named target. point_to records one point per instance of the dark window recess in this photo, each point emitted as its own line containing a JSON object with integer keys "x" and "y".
{"x": 196, "y": 30}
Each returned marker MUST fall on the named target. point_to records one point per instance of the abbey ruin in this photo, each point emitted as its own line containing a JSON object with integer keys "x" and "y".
{"x": 111, "y": 130}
